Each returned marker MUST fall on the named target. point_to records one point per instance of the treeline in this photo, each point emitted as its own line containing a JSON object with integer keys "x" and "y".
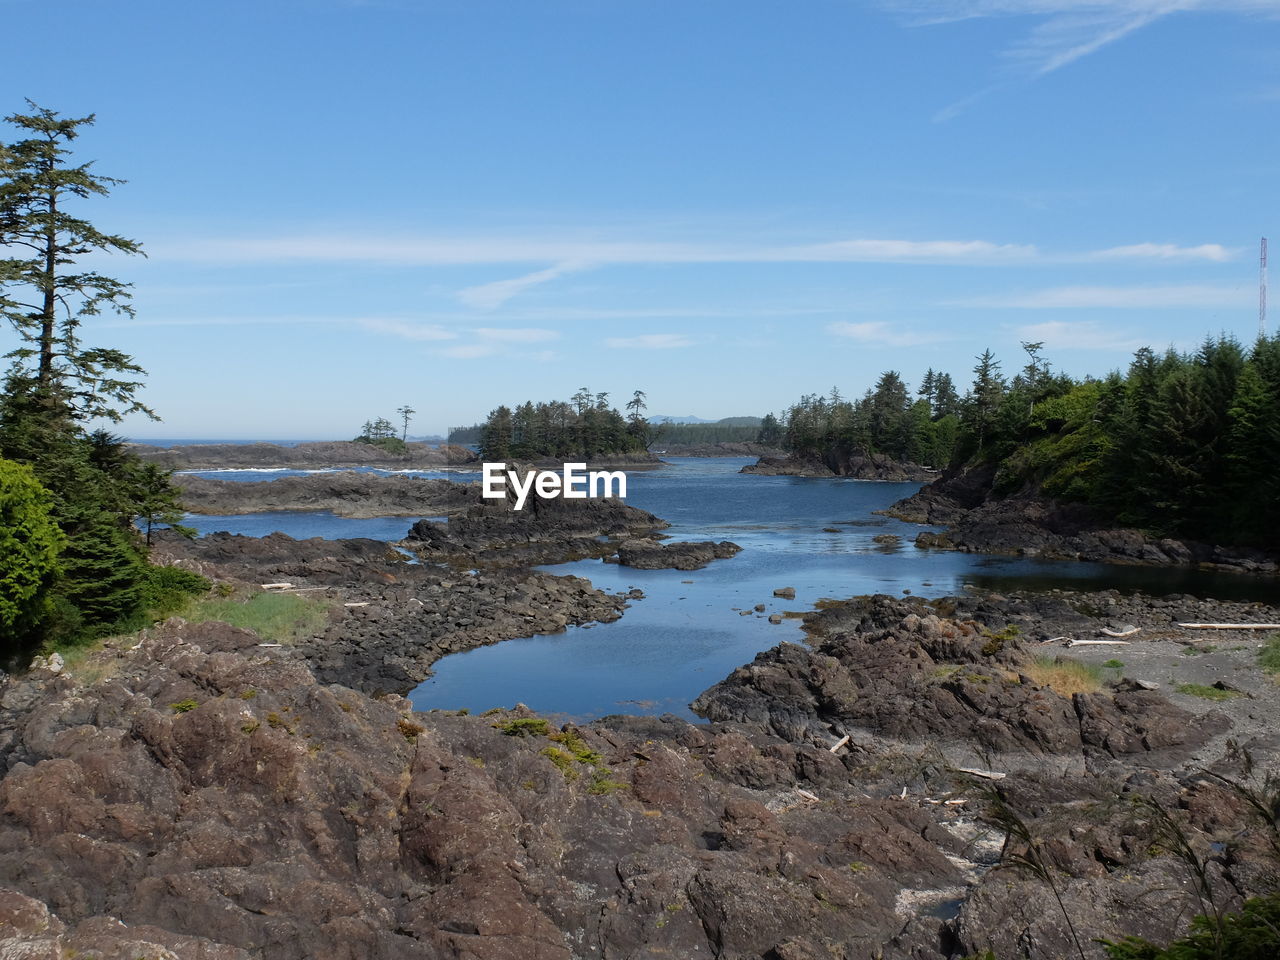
{"x": 887, "y": 419}
{"x": 1181, "y": 444}
{"x": 693, "y": 434}
{"x": 585, "y": 427}
{"x": 73, "y": 564}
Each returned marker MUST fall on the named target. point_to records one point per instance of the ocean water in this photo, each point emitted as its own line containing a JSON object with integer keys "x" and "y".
{"x": 689, "y": 631}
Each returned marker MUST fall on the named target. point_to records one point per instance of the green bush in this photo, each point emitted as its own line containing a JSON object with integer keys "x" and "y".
{"x": 1251, "y": 934}
{"x": 30, "y": 542}
{"x": 165, "y": 590}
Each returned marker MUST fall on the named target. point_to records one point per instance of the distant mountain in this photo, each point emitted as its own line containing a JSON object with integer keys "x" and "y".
{"x": 739, "y": 422}
{"x": 663, "y": 418}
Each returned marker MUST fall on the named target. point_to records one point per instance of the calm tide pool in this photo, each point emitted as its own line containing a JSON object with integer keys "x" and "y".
{"x": 688, "y": 632}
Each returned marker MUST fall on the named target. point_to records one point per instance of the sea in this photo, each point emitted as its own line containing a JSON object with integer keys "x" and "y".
{"x": 692, "y": 629}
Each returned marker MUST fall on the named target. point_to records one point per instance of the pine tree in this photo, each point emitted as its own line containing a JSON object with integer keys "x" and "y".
{"x": 41, "y": 294}
{"x": 495, "y": 438}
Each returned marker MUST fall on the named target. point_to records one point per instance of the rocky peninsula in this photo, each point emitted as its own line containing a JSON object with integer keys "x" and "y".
{"x": 346, "y": 493}
{"x": 857, "y": 466}
{"x": 978, "y": 521}
{"x": 304, "y": 456}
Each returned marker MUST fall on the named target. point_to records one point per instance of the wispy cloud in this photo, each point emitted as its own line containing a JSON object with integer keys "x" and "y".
{"x": 649, "y": 341}
{"x": 516, "y": 334}
{"x": 1119, "y": 298}
{"x": 1085, "y": 335}
{"x": 468, "y": 351}
{"x": 881, "y": 333}
{"x": 406, "y": 329}
{"x": 1165, "y": 251}
{"x": 489, "y": 296}
{"x": 568, "y": 254}
{"x": 1066, "y": 30}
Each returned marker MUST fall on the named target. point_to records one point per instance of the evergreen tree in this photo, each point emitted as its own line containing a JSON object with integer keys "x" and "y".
{"x": 43, "y": 297}
{"x": 495, "y": 438}
{"x": 30, "y": 543}
{"x": 946, "y": 402}
{"x": 56, "y": 386}
{"x": 770, "y": 434}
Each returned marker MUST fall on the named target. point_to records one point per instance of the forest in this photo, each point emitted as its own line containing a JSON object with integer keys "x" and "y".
{"x": 887, "y": 419}
{"x": 585, "y": 427}
{"x": 1180, "y": 444}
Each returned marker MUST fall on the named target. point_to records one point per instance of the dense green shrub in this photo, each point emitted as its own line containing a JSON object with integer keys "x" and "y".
{"x": 30, "y": 542}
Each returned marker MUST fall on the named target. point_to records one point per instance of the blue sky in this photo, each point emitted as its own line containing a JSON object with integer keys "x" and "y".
{"x": 350, "y": 206}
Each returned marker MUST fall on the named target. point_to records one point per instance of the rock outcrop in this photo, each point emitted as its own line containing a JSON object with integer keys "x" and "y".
{"x": 545, "y": 531}
{"x": 303, "y": 456}
{"x": 347, "y": 493}
{"x": 978, "y": 522}
{"x": 857, "y": 466}
{"x": 678, "y": 555}
{"x": 391, "y": 619}
{"x": 196, "y": 794}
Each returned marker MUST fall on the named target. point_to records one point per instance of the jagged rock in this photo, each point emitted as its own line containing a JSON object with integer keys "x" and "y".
{"x": 683, "y": 555}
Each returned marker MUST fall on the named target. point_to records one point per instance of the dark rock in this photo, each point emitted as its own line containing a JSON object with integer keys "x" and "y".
{"x": 859, "y": 465}
{"x": 346, "y": 493}
{"x": 302, "y": 456}
{"x": 656, "y": 555}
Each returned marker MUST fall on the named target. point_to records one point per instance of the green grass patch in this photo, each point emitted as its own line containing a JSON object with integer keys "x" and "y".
{"x": 601, "y": 784}
{"x": 1206, "y": 692}
{"x": 999, "y": 639}
{"x": 1269, "y": 655}
{"x": 275, "y": 617}
{"x": 1114, "y": 664}
{"x": 577, "y": 747}
{"x": 1064, "y": 676}
{"x": 525, "y": 727}
{"x": 184, "y": 706}
{"x": 562, "y": 760}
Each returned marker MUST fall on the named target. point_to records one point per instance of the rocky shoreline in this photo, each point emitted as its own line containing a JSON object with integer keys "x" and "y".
{"x": 346, "y": 493}
{"x": 871, "y": 466}
{"x": 199, "y": 794}
{"x": 196, "y": 792}
{"x": 303, "y": 456}
{"x": 977, "y": 522}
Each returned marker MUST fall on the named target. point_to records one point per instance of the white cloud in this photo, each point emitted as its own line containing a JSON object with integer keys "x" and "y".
{"x": 880, "y": 332}
{"x": 649, "y": 341}
{"x": 516, "y": 334}
{"x": 570, "y": 255}
{"x": 1086, "y": 335}
{"x": 1165, "y": 251}
{"x": 489, "y": 296}
{"x": 1119, "y": 298}
{"x": 1066, "y": 31}
{"x": 468, "y": 351}
{"x": 407, "y": 330}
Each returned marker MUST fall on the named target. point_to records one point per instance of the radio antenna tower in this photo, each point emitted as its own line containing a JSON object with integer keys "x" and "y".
{"x": 1262, "y": 290}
